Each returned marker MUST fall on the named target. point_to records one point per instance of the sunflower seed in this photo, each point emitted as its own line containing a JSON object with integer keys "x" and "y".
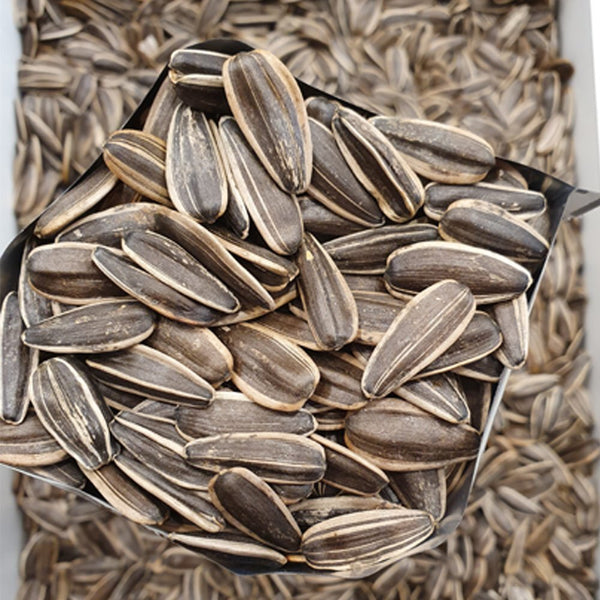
{"x": 438, "y": 151}
{"x": 326, "y": 297}
{"x": 232, "y": 412}
{"x": 441, "y": 395}
{"x": 291, "y": 327}
{"x": 422, "y": 331}
{"x": 151, "y": 291}
{"x": 159, "y": 116}
{"x": 397, "y": 436}
{"x": 138, "y": 160}
{"x": 275, "y": 212}
{"x": 366, "y": 252}
{"x": 487, "y": 368}
{"x": 198, "y": 192}
{"x": 249, "y": 504}
{"x": 147, "y": 372}
{"x": 268, "y": 368}
{"x": 198, "y": 348}
{"x": 376, "y": 312}
{"x": 64, "y": 473}
{"x": 334, "y": 184}
{"x": 490, "y": 276}
{"x": 39, "y": 557}
{"x": 291, "y": 494}
{"x": 366, "y": 538}
{"x": 72, "y": 410}
{"x": 99, "y": 327}
{"x": 154, "y": 424}
{"x": 170, "y": 263}
{"x": 320, "y": 221}
{"x": 478, "y": 223}
{"x": 321, "y": 109}
{"x": 258, "y": 84}
{"x": 275, "y": 457}
{"x": 378, "y": 166}
{"x": 421, "y": 490}
{"x": 512, "y": 318}
{"x": 33, "y": 306}
{"x": 126, "y": 496}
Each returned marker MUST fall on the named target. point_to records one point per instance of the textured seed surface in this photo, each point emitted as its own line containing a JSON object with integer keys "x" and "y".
{"x": 512, "y": 318}
{"x": 421, "y": 490}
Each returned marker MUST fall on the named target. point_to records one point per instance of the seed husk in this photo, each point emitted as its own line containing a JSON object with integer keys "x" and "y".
{"x": 427, "y": 326}
{"x": 198, "y": 192}
{"x": 138, "y": 160}
{"x": 72, "y": 410}
{"x": 512, "y": 318}
{"x": 33, "y": 306}
{"x": 524, "y": 203}
{"x": 491, "y": 277}
{"x": 63, "y": 473}
{"x": 330, "y": 308}
{"x": 233, "y": 412}
{"x": 349, "y": 471}
{"x": 170, "y": 263}
{"x": 321, "y": 109}
{"x": 376, "y": 312}
{"x": 421, "y": 490}
{"x": 188, "y": 504}
{"x": 364, "y": 539}
{"x": 39, "y": 557}
{"x": 124, "y": 495}
{"x": 152, "y": 374}
{"x": 438, "y": 151}
{"x": 65, "y": 272}
{"x": 366, "y": 252}
{"x": 257, "y": 84}
{"x": 151, "y": 291}
{"x": 334, "y": 184}
{"x": 397, "y": 436}
{"x": 291, "y": 494}
{"x": 159, "y": 116}
{"x": 378, "y": 166}
{"x": 488, "y": 368}
{"x": 100, "y": 327}
{"x": 275, "y": 212}
{"x": 18, "y": 362}
{"x": 251, "y": 506}
{"x": 75, "y": 202}
{"x": 268, "y": 368}
{"x": 478, "y": 223}
{"x": 152, "y": 422}
{"x": 276, "y": 457}
{"x": 291, "y": 327}
{"x": 198, "y": 348}
{"x": 441, "y": 395}
{"x": 322, "y": 222}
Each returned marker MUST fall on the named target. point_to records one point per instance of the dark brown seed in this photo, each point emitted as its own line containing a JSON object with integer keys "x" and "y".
{"x": 321, "y": 109}
{"x": 397, "y": 436}
{"x": 326, "y": 297}
{"x": 488, "y": 368}
{"x": 267, "y": 103}
{"x": 421, "y": 490}
{"x": 249, "y": 504}
{"x": 321, "y": 221}
{"x": 291, "y": 327}
{"x": 376, "y": 312}
{"x": 512, "y": 318}
{"x": 159, "y": 116}
{"x": 429, "y": 324}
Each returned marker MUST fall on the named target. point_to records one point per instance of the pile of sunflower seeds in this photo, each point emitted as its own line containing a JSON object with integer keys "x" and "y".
{"x": 556, "y": 335}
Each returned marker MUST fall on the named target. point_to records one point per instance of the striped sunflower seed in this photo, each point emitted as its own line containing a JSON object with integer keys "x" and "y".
{"x": 378, "y": 166}
{"x": 171, "y": 264}
{"x": 291, "y": 327}
{"x": 152, "y": 374}
{"x": 268, "y": 368}
{"x": 481, "y": 224}
{"x": 512, "y": 318}
{"x": 29, "y": 445}
{"x": 335, "y": 185}
{"x": 17, "y": 363}
{"x": 348, "y": 471}
{"x": 65, "y": 272}
{"x": 421, "y": 490}
{"x": 33, "y": 306}
{"x": 441, "y": 395}
{"x": 63, "y": 473}
{"x": 138, "y": 160}
{"x": 330, "y": 308}
{"x": 75, "y": 202}
{"x": 438, "y": 151}
{"x": 100, "y": 327}
{"x": 190, "y": 505}
{"x": 198, "y": 348}
{"x": 125, "y": 496}
{"x": 151, "y": 291}
{"x": 491, "y": 277}
{"x": 275, "y": 457}
{"x": 268, "y": 105}
{"x": 291, "y": 494}
{"x": 233, "y": 412}
{"x": 366, "y": 252}
{"x": 159, "y": 116}
{"x": 198, "y": 192}
{"x": 479, "y": 399}
{"x": 525, "y": 203}
{"x": 72, "y": 411}
{"x": 422, "y": 331}
{"x": 39, "y": 557}
{"x": 274, "y": 211}
{"x": 397, "y": 436}
{"x": 320, "y": 221}
{"x": 376, "y": 312}
{"x": 321, "y": 109}
{"x": 488, "y": 368}
{"x": 360, "y": 540}
{"x": 251, "y": 506}
{"x": 152, "y": 422}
